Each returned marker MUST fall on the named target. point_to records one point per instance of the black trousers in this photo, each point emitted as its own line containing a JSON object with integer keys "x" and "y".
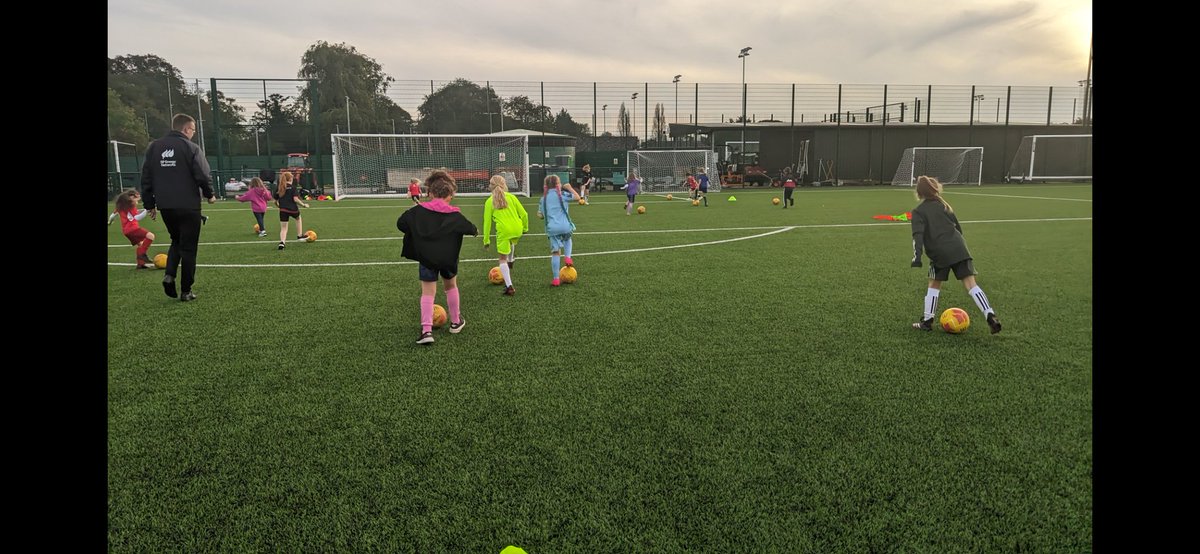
{"x": 787, "y": 196}
{"x": 183, "y": 224}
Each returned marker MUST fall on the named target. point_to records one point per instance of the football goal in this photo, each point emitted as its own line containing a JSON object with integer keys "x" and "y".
{"x": 380, "y": 166}
{"x": 1052, "y": 158}
{"x": 950, "y": 165}
{"x": 666, "y": 170}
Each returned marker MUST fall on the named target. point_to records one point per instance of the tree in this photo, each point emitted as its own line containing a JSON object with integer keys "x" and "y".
{"x": 527, "y": 115}
{"x": 341, "y": 72}
{"x": 623, "y": 121}
{"x": 124, "y": 124}
{"x": 660, "y": 123}
{"x": 153, "y": 89}
{"x": 563, "y": 124}
{"x": 458, "y": 107}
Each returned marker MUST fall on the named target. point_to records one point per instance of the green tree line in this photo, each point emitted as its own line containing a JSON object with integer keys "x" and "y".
{"x": 144, "y": 90}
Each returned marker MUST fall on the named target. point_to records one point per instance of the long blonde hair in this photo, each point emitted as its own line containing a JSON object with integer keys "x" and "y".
{"x": 499, "y": 187}
{"x": 285, "y": 180}
{"x": 928, "y": 188}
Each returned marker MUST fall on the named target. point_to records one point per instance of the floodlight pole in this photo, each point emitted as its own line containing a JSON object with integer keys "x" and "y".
{"x": 743, "y": 55}
{"x": 604, "y": 110}
{"x": 633, "y": 122}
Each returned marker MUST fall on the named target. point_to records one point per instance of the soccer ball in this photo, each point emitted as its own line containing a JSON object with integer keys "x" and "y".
{"x": 160, "y": 261}
{"x": 695, "y": 202}
{"x": 955, "y": 320}
{"x": 775, "y": 201}
{"x": 257, "y": 229}
{"x": 312, "y": 236}
{"x": 669, "y": 197}
{"x": 641, "y": 209}
{"x": 495, "y": 276}
{"x": 582, "y": 201}
{"x": 439, "y": 316}
{"x": 568, "y": 274}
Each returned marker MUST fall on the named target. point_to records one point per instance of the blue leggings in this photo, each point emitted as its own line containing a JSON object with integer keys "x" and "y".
{"x": 259, "y": 216}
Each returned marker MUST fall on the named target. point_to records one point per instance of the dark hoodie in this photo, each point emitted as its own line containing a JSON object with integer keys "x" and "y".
{"x": 433, "y": 233}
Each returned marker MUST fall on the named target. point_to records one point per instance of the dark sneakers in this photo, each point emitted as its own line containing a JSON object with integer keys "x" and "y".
{"x": 456, "y": 328}
{"x": 281, "y": 246}
{"x": 169, "y": 286}
{"x": 425, "y": 338}
{"x": 203, "y": 219}
{"x": 993, "y": 323}
{"x": 187, "y": 297}
{"x": 926, "y": 325}
{"x": 509, "y": 291}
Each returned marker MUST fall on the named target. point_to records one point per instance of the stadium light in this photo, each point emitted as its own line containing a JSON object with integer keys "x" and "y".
{"x": 604, "y": 110}
{"x": 745, "y": 53}
{"x": 676, "y": 81}
{"x": 633, "y": 123}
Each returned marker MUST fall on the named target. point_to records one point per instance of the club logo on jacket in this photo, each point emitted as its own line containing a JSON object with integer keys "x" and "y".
{"x": 164, "y": 162}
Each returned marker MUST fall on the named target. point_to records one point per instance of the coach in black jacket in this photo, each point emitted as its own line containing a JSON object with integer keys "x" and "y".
{"x": 174, "y": 176}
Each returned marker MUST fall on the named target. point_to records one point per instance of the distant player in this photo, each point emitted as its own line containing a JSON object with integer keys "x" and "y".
{"x": 703, "y": 189}
{"x": 935, "y": 228}
{"x": 631, "y": 191}
{"x": 414, "y": 190}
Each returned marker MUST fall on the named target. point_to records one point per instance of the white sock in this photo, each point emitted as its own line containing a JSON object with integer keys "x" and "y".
{"x": 981, "y": 300}
{"x": 512, "y": 254}
{"x": 931, "y": 301}
{"x": 507, "y": 276}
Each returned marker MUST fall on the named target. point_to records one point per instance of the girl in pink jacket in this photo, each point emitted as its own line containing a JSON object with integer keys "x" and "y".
{"x": 257, "y": 196}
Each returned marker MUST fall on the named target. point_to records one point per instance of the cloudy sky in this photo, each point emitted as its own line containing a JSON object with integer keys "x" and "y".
{"x": 984, "y": 42}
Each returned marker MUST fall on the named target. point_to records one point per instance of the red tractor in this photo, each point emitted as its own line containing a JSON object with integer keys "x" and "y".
{"x": 302, "y": 173}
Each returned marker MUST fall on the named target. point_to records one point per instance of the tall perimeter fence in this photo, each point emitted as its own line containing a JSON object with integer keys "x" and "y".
{"x": 838, "y": 132}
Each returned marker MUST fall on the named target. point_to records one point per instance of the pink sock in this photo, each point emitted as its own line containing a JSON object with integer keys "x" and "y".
{"x": 452, "y": 304}
{"x": 426, "y": 313}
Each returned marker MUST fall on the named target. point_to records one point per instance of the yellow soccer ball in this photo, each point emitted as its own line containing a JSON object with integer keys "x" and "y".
{"x": 669, "y": 197}
{"x": 582, "y": 201}
{"x": 257, "y": 229}
{"x": 641, "y": 209}
{"x": 495, "y": 276}
{"x": 568, "y": 274}
{"x": 775, "y": 201}
{"x": 311, "y": 236}
{"x": 695, "y": 202}
{"x": 955, "y": 320}
{"x": 439, "y": 315}
{"x": 160, "y": 261}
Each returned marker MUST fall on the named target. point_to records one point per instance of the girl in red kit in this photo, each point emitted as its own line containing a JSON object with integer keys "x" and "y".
{"x": 130, "y": 216}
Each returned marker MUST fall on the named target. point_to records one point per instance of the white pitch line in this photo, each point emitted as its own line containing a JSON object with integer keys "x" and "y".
{"x": 1018, "y": 196}
{"x": 492, "y": 259}
{"x": 635, "y": 250}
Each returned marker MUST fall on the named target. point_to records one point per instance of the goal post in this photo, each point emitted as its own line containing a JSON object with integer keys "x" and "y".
{"x": 1052, "y": 157}
{"x": 380, "y": 166}
{"x": 666, "y": 170}
{"x": 950, "y": 165}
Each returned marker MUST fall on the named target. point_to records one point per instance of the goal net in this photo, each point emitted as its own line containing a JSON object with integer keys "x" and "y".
{"x": 950, "y": 165}
{"x": 380, "y": 166}
{"x": 1052, "y": 157}
{"x": 666, "y": 170}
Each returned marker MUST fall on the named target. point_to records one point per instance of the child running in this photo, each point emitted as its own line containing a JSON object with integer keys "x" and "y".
{"x": 257, "y": 196}
{"x": 414, "y": 190}
{"x": 935, "y": 228}
{"x": 286, "y": 200}
{"x": 126, "y": 209}
{"x": 631, "y": 190}
{"x": 512, "y": 221}
{"x": 703, "y": 190}
{"x": 559, "y": 226}
{"x": 692, "y": 185}
{"x": 433, "y": 232}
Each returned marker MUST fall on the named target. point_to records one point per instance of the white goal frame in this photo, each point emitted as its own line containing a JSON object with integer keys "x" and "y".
{"x": 1024, "y": 161}
{"x": 914, "y": 157}
{"x": 380, "y": 165}
{"x": 666, "y": 170}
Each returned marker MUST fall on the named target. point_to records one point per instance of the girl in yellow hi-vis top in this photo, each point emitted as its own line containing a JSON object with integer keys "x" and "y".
{"x": 511, "y": 220}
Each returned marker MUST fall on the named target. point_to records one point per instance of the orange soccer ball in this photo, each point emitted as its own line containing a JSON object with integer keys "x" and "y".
{"x": 439, "y": 315}
{"x": 495, "y": 277}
